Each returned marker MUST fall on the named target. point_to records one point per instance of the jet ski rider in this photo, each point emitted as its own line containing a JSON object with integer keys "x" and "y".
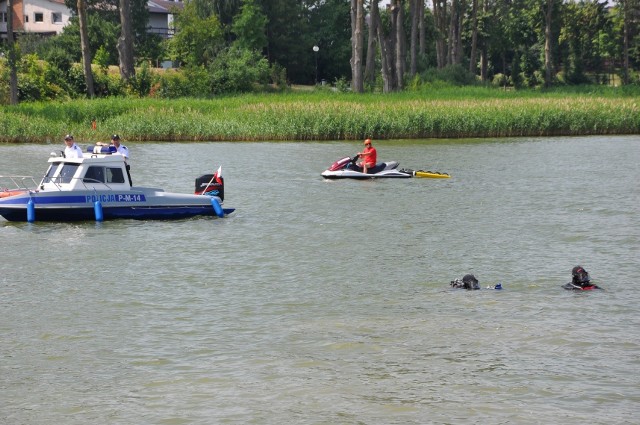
{"x": 369, "y": 156}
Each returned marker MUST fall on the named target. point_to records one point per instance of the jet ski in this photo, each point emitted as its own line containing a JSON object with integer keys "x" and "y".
{"x": 346, "y": 168}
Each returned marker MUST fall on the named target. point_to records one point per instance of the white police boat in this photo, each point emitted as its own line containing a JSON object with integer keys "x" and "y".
{"x": 98, "y": 187}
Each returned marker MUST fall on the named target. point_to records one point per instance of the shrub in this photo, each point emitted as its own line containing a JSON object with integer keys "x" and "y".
{"x": 141, "y": 83}
{"x": 102, "y": 58}
{"x": 4, "y": 82}
{"x": 237, "y": 70}
{"x": 455, "y": 75}
{"x": 500, "y": 80}
{"x": 58, "y": 57}
{"x": 342, "y": 85}
{"x": 279, "y": 76}
{"x": 75, "y": 78}
{"x": 188, "y": 82}
{"x": 104, "y": 83}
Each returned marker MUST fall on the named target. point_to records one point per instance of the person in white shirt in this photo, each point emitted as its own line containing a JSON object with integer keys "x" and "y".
{"x": 121, "y": 149}
{"x": 71, "y": 150}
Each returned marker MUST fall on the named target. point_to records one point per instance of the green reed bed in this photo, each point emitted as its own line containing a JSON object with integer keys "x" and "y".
{"x": 437, "y": 113}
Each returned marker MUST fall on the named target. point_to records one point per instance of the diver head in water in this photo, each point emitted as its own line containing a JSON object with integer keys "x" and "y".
{"x": 580, "y": 277}
{"x": 580, "y": 280}
{"x": 468, "y": 281}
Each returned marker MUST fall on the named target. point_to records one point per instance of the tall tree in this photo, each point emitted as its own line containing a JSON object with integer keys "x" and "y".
{"x": 625, "y": 5}
{"x": 290, "y": 37}
{"x": 454, "y": 55}
{"x": 84, "y": 47}
{"x": 548, "y": 63}
{"x": 225, "y": 10}
{"x": 440, "y": 18}
{"x": 397, "y": 11}
{"x": 414, "y": 6}
{"x": 197, "y": 39}
{"x": 370, "y": 70}
{"x": 125, "y": 42}
{"x": 107, "y": 13}
{"x": 474, "y": 37}
{"x": 484, "y": 51}
{"x": 386, "y": 54}
{"x": 13, "y": 66}
{"x": 328, "y": 28}
{"x": 357, "y": 42}
{"x": 249, "y": 26}
{"x": 422, "y": 29}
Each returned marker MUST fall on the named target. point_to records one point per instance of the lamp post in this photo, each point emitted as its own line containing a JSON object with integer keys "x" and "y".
{"x": 316, "y": 49}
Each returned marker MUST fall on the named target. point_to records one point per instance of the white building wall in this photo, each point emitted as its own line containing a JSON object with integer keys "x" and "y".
{"x": 54, "y": 16}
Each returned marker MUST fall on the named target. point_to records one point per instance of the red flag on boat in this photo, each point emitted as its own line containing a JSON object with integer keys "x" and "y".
{"x": 218, "y": 175}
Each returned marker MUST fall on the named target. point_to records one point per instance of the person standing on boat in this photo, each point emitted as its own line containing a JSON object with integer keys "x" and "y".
{"x": 369, "y": 156}
{"x": 124, "y": 151}
{"x": 115, "y": 142}
{"x": 121, "y": 149}
{"x": 71, "y": 150}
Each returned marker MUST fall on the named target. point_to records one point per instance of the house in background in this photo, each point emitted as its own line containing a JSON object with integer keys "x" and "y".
{"x": 161, "y": 16}
{"x": 45, "y": 17}
{"x": 49, "y": 17}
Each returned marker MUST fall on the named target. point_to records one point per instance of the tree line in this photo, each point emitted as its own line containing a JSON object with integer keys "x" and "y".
{"x": 516, "y": 42}
{"x": 226, "y": 46}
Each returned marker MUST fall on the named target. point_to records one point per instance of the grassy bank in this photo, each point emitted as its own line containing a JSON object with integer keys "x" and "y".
{"x": 324, "y": 115}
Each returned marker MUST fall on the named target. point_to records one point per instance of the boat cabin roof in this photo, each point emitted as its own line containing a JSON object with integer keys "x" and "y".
{"x": 92, "y": 171}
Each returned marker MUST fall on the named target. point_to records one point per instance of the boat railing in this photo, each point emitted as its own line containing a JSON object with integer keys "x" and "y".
{"x": 18, "y": 183}
{"x": 56, "y": 181}
{"x": 59, "y": 180}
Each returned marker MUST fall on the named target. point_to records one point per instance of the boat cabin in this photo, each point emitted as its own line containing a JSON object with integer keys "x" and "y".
{"x": 95, "y": 171}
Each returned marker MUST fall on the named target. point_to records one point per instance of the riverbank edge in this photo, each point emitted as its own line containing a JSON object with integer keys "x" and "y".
{"x": 322, "y": 117}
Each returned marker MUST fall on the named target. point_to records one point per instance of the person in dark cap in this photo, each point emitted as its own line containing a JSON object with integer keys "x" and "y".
{"x": 71, "y": 150}
{"x": 124, "y": 151}
{"x": 120, "y": 148}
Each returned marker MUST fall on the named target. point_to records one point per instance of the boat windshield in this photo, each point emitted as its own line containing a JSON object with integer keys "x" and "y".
{"x": 48, "y": 178}
{"x": 67, "y": 172}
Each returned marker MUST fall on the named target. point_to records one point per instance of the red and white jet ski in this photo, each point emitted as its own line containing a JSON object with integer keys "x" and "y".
{"x": 346, "y": 168}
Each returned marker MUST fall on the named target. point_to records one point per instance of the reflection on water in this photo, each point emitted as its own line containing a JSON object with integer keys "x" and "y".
{"x": 328, "y": 301}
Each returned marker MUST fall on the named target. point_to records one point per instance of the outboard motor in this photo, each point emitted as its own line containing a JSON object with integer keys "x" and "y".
{"x": 580, "y": 277}
{"x": 210, "y": 185}
{"x": 468, "y": 281}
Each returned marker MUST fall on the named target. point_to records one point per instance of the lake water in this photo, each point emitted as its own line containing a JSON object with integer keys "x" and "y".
{"x": 328, "y": 302}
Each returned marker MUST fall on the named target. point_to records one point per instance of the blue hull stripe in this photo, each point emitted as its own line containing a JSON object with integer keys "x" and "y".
{"x": 137, "y": 213}
{"x": 75, "y": 199}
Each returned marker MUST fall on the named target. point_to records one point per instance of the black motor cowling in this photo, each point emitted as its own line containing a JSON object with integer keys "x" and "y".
{"x": 208, "y": 184}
